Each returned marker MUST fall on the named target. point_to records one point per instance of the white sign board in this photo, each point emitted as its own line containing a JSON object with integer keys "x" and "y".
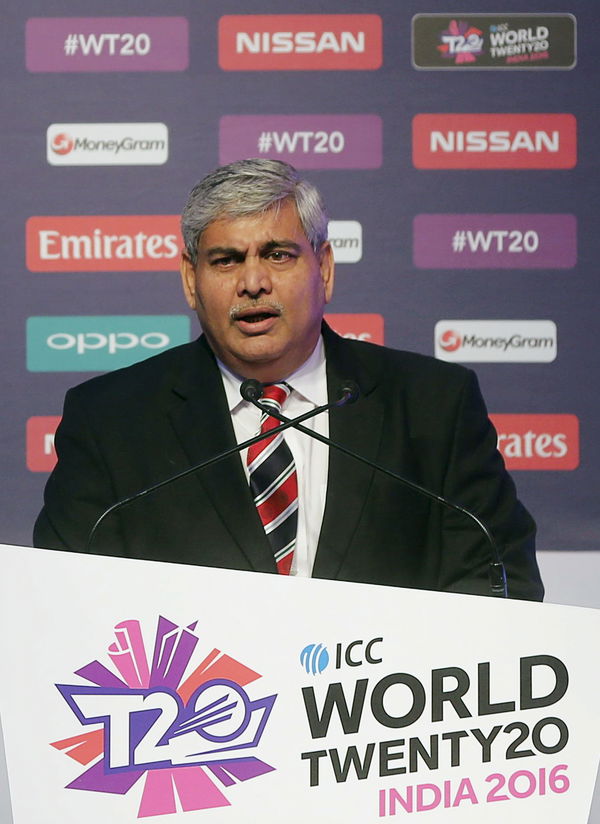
{"x": 135, "y": 690}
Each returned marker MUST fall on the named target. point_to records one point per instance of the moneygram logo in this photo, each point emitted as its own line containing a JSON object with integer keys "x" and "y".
{"x": 39, "y": 442}
{"x": 449, "y": 340}
{"x": 301, "y": 42}
{"x": 103, "y": 243}
{"x": 494, "y": 141}
{"x": 345, "y": 237}
{"x": 538, "y": 441}
{"x": 357, "y": 326}
{"x": 99, "y": 344}
{"x": 492, "y": 41}
{"x": 496, "y": 341}
{"x": 107, "y": 144}
{"x": 60, "y": 143}
{"x": 178, "y": 719}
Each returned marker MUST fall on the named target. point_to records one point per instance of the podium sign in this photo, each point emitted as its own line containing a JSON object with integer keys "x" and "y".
{"x": 136, "y": 690}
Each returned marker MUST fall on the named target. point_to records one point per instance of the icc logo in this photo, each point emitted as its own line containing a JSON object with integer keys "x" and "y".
{"x": 62, "y": 143}
{"x": 314, "y": 658}
{"x": 450, "y": 341}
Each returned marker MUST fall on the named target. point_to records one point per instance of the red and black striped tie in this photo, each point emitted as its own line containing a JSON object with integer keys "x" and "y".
{"x": 274, "y": 482}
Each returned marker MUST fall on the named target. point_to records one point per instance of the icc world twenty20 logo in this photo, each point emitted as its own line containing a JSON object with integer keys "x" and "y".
{"x": 190, "y": 730}
{"x": 461, "y": 42}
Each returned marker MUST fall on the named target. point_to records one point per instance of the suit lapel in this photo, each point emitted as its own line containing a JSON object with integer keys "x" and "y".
{"x": 358, "y": 427}
{"x": 201, "y": 419}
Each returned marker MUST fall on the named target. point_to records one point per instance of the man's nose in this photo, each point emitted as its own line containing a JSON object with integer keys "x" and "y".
{"x": 254, "y": 277}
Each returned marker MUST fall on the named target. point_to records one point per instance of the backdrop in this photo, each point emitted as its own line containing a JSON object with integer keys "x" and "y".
{"x": 456, "y": 154}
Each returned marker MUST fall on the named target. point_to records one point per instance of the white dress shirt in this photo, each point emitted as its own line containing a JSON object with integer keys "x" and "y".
{"x": 309, "y": 390}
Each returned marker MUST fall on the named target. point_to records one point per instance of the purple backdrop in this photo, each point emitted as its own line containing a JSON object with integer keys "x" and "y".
{"x": 351, "y": 128}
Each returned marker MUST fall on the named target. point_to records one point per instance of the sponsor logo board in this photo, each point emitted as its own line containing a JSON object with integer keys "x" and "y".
{"x": 106, "y": 44}
{"x": 495, "y": 241}
{"x": 100, "y": 343}
{"x": 496, "y": 341}
{"x": 547, "y": 442}
{"x": 494, "y": 141}
{"x": 493, "y": 41}
{"x": 357, "y": 326}
{"x": 39, "y": 442}
{"x": 300, "y": 42}
{"x": 318, "y": 141}
{"x": 107, "y": 144}
{"x": 345, "y": 237}
{"x": 107, "y": 243}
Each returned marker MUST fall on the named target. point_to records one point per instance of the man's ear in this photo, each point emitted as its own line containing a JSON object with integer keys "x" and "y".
{"x": 188, "y": 279}
{"x": 327, "y": 267}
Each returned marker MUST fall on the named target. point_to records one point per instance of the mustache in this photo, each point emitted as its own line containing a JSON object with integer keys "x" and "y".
{"x": 255, "y": 306}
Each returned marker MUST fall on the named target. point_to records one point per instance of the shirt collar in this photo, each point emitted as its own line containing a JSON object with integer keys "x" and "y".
{"x": 309, "y": 381}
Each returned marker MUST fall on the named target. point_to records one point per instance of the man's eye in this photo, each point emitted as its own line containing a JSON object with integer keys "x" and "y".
{"x": 223, "y": 261}
{"x": 279, "y": 255}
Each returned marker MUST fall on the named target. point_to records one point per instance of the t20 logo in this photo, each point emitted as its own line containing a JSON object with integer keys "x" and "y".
{"x": 202, "y": 727}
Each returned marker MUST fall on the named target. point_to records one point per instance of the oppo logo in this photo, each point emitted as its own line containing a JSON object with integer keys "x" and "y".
{"x": 100, "y": 343}
{"x": 113, "y": 342}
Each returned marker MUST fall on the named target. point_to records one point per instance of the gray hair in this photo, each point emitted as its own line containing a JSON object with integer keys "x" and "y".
{"x": 248, "y": 187}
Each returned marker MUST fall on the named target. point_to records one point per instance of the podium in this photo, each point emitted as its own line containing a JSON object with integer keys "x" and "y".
{"x": 136, "y": 690}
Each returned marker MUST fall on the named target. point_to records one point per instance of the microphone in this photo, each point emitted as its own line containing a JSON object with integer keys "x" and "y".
{"x": 252, "y": 391}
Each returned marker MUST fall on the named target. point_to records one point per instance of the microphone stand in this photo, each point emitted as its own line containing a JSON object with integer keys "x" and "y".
{"x": 349, "y": 394}
{"x": 251, "y": 390}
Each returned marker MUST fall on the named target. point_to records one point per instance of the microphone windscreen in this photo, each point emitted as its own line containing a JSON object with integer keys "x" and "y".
{"x": 251, "y": 390}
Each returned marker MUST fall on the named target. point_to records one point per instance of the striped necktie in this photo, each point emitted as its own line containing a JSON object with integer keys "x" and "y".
{"x": 274, "y": 482}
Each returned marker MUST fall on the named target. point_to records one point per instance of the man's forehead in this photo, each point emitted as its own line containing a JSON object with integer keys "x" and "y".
{"x": 277, "y": 224}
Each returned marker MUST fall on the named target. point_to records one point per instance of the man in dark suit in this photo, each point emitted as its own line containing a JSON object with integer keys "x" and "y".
{"x": 258, "y": 271}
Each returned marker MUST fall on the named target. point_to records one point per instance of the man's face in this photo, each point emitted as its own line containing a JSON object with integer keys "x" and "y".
{"x": 259, "y": 291}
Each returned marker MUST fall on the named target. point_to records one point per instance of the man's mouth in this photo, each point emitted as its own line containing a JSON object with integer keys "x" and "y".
{"x": 258, "y": 317}
{"x": 255, "y": 318}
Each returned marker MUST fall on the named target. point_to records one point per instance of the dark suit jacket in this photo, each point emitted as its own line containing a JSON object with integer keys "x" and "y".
{"x": 423, "y": 418}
